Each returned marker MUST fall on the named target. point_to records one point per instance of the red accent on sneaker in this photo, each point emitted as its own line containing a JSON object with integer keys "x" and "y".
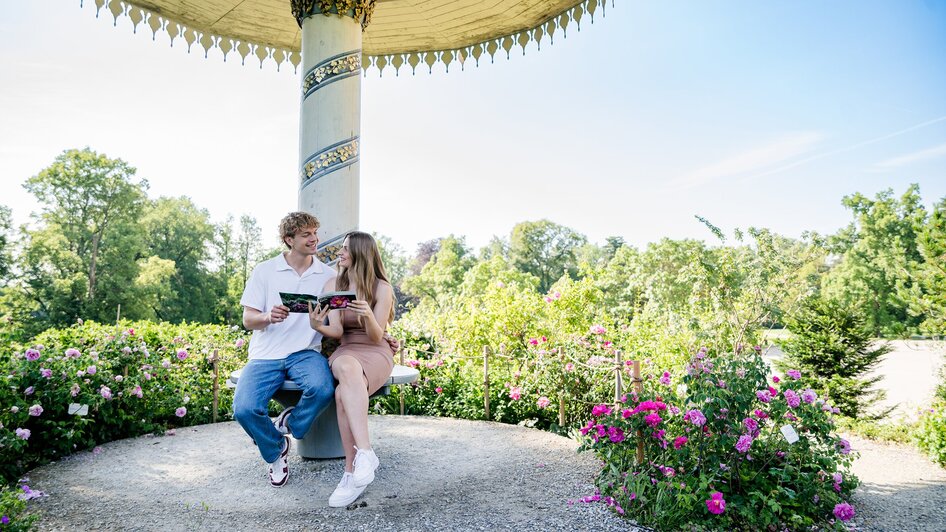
{"x": 283, "y": 462}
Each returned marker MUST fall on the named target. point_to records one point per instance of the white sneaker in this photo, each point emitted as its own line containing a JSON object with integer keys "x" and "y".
{"x": 279, "y": 470}
{"x": 282, "y": 420}
{"x": 365, "y": 463}
{"x": 345, "y": 493}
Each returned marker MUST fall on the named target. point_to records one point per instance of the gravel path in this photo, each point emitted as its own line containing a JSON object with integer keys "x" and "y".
{"x": 900, "y": 489}
{"x": 435, "y": 474}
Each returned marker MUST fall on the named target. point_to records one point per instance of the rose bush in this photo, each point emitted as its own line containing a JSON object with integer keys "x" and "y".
{"x": 715, "y": 456}
{"x": 134, "y": 379}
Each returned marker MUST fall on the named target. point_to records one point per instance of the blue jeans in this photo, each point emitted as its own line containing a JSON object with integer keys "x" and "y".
{"x": 260, "y": 379}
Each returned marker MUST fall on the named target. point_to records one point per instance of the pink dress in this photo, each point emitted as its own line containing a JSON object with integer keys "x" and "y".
{"x": 376, "y": 358}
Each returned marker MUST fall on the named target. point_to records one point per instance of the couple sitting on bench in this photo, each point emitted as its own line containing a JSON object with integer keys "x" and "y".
{"x": 286, "y": 346}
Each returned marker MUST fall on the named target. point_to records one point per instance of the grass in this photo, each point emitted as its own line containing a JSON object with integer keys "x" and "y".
{"x": 891, "y": 432}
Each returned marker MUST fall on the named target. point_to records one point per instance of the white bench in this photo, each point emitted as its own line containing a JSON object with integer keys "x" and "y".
{"x": 323, "y": 439}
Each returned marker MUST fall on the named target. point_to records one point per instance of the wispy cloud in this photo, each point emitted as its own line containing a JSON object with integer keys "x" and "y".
{"x": 753, "y": 160}
{"x": 848, "y": 148}
{"x": 903, "y": 160}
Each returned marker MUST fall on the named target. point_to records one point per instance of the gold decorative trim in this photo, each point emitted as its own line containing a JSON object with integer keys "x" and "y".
{"x": 360, "y": 10}
{"x": 329, "y": 254}
{"x": 326, "y": 160}
{"x": 330, "y": 70}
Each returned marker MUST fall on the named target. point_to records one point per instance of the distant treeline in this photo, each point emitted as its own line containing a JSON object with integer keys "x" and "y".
{"x": 99, "y": 246}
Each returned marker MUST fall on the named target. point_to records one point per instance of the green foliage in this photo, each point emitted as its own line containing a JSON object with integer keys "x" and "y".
{"x": 132, "y": 377}
{"x": 178, "y": 231}
{"x": 834, "y": 345}
{"x": 441, "y": 276}
{"x": 546, "y": 250}
{"x": 6, "y": 245}
{"x": 930, "y": 434}
{"x": 927, "y": 295}
{"x": 81, "y": 258}
{"x": 716, "y": 429}
{"x": 901, "y": 432}
{"x": 13, "y": 514}
{"x": 878, "y": 252}
{"x": 100, "y": 249}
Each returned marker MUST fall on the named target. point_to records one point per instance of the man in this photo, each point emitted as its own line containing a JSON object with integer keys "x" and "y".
{"x": 283, "y": 346}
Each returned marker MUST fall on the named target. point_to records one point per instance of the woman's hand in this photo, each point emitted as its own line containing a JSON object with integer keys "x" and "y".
{"x": 361, "y": 308}
{"x": 317, "y": 315}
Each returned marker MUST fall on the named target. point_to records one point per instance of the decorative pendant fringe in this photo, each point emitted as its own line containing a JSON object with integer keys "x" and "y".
{"x": 279, "y": 55}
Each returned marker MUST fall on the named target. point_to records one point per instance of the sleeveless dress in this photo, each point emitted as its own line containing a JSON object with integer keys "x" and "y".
{"x": 375, "y": 358}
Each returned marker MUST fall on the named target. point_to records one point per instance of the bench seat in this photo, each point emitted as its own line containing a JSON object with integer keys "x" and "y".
{"x": 323, "y": 439}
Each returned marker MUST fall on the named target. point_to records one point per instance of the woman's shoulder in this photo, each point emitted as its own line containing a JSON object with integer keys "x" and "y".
{"x": 383, "y": 287}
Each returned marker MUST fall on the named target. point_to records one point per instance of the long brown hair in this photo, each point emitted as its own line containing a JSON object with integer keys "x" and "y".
{"x": 366, "y": 268}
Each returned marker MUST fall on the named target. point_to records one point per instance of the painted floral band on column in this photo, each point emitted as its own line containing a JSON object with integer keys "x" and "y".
{"x": 334, "y": 68}
{"x": 328, "y": 251}
{"x": 360, "y": 10}
{"x": 334, "y": 157}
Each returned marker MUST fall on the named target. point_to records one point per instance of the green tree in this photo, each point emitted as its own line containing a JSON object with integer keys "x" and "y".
{"x": 619, "y": 280}
{"x": 546, "y": 250}
{"x": 395, "y": 261}
{"x": 81, "y": 260}
{"x": 237, "y": 249}
{"x": 180, "y": 232}
{"x": 878, "y": 252}
{"x": 441, "y": 277}
{"x": 225, "y": 260}
{"x": 153, "y": 287}
{"x": 425, "y": 251}
{"x": 832, "y": 343}
{"x": 396, "y": 266}
{"x": 6, "y": 245}
{"x": 927, "y": 295}
{"x": 249, "y": 248}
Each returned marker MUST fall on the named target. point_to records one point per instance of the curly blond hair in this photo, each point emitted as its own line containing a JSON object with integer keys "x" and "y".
{"x": 295, "y": 222}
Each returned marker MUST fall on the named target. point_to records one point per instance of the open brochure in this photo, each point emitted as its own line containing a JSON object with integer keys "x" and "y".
{"x": 300, "y": 302}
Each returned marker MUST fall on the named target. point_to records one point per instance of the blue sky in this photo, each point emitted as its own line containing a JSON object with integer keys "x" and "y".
{"x": 747, "y": 113}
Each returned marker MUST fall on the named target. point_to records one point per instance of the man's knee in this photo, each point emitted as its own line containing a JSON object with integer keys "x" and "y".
{"x": 245, "y": 406}
{"x": 321, "y": 392}
{"x": 243, "y": 412}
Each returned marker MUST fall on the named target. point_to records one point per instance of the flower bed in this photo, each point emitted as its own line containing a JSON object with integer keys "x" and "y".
{"x": 74, "y": 388}
{"x": 723, "y": 448}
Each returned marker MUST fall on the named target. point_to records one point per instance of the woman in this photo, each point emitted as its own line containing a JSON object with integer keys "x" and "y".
{"x": 363, "y": 362}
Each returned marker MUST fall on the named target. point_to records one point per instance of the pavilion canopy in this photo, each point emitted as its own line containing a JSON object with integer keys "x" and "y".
{"x": 411, "y": 32}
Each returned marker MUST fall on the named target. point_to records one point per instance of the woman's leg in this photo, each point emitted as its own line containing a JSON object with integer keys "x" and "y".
{"x": 348, "y": 442}
{"x": 351, "y": 396}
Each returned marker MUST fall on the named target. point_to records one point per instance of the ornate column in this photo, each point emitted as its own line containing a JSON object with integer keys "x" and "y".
{"x": 330, "y": 119}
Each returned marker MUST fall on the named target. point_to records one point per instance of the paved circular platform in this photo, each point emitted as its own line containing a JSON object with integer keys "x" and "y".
{"x": 435, "y": 473}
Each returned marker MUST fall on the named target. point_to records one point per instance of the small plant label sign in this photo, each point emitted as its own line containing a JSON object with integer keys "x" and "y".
{"x": 789, "y": 433}
{"x": 78, "y": 410}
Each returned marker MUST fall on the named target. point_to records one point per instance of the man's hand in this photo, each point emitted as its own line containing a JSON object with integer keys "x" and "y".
{"x": 278, "y": 314}
{"x": 393, "y": 342}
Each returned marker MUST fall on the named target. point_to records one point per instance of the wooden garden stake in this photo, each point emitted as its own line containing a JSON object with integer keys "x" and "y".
{"x": 216, "y": 398}
{"x": 401, "y": 362}
{"x": 639, "y": 388}
{"x": 486, "y": 380}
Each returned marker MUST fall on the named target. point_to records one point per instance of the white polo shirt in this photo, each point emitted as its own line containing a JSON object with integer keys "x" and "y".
{"x": 279, "y": 340}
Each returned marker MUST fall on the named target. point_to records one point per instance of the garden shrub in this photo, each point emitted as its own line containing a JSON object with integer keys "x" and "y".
{"x": 714, "y": 454}
{"x": 930, "y": 433}
{"x": 135, "y": 378}
{"x": 13, "y": 514}
{"x": 833, "y": 345}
